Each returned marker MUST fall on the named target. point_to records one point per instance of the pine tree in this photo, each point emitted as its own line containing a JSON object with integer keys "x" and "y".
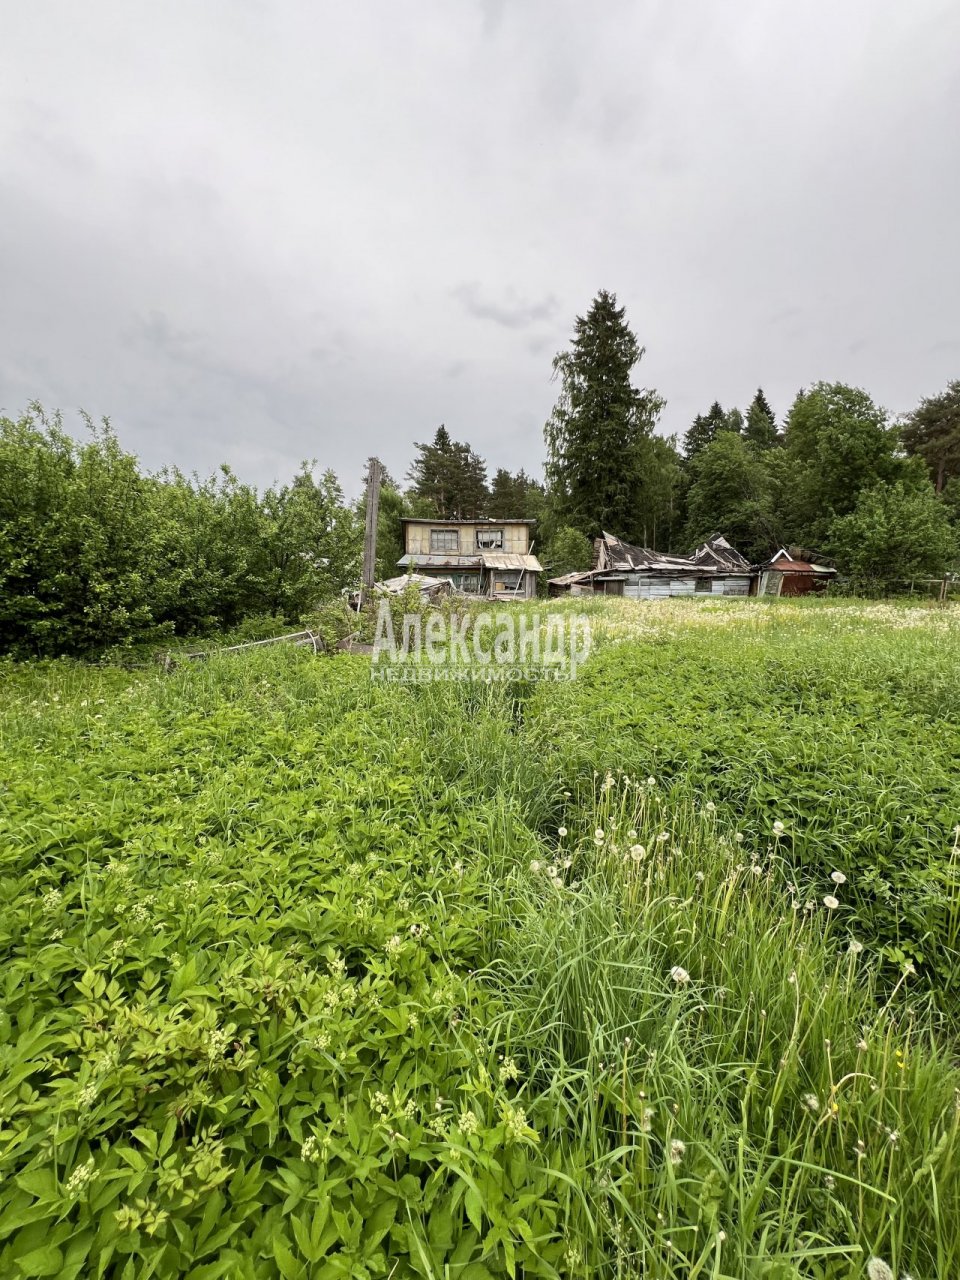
{"x": 761, "y": 427}
{"x": 449, "y": 477}
{"x": 598, "y": 436}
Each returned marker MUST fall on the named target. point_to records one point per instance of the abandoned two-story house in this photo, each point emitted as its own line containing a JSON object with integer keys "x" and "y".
{"x": 490, "y": 558}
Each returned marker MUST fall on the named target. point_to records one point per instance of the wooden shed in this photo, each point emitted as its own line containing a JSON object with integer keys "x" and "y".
{"x": 789, "y": 574}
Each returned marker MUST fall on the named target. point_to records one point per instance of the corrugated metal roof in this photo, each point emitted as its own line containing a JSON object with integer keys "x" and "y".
{"x": 480, "y": 520}
{"x": 442, "y": 562}
{"x": 510, "y": 560}
{"x": 798, "y": 566}
{"x": 714, "y": 557}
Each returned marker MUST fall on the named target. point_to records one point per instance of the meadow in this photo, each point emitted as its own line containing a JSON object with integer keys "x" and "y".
{"x": 653, "y": 973}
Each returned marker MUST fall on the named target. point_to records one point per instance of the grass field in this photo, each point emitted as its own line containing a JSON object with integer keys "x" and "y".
{"x": 307, "y": 976}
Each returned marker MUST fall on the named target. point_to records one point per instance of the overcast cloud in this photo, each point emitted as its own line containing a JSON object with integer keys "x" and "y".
{"x": 260, "y": 230}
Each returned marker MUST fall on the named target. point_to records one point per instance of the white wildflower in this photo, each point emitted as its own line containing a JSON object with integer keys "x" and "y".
{"x": 310, "y": 1149}
{"x": 508, "y": 1070}
{"x": 393, "y": 945}
{"x": 516, "y": 1123}
{"x": 536, "y": 866}
{"x": 778, "y": 828}
{"x": 52, "y": 900}
{"x": 838, "y": 877}
{"x": 468, "y": 1123}
{"x": 679, "y": 975}
{"x": 561, "y": 832}
{"x": 855, "y": 947}
{"x": 830, "y": 902}
{"x": 677, "y": 1151}
{"x": 78, "y": 1180}
{"x": 598, "y": 836}
{"x": 811, "y": 1102}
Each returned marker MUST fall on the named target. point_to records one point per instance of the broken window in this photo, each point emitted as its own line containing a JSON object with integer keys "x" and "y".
{"x": 490, "y": 539}
{"x": 703, "y": 585}
{"x": 444, "y": 540}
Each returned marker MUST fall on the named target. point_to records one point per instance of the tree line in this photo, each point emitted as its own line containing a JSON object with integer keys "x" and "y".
{"x": 95, "y": 553}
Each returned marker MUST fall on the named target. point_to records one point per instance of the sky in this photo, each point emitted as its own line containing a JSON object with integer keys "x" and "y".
{"x": 260, "y": 231}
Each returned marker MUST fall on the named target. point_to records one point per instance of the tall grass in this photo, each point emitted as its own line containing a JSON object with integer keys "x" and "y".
{"x": 708, "y": 1047}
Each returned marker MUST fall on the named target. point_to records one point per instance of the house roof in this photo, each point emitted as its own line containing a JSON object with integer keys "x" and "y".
{"x": 466, "y": 520}
{"x": 612, "y": 552}
{"x": 718, "y": 553}
{"x": 714, "y": 556}
{"x": 510, "y": 560}
{"x": 442, "y": 562}
{"x": 784, "y": 562}
{"x": 566, "y": 579}
{"x": 482, "y": 560}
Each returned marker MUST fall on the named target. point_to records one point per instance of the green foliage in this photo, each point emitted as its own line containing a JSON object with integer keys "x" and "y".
{"x": 567, "y": 551}
{"x": 893, "y": 533}
{"x": 932, "y": 432}
{"x": 310, "y": 976}
{"x": 599, "y": 434}
{"x": 837, "y": 443}
{"x": 709, "y": 426}
{"x": 730, "y": 491}
{"x": 96, "y": 555}
{"x": 448, "y": 479}
{"x": 515, "y": 496}
{"x": 760, "y": 429}
{"x": 74, "y": 527}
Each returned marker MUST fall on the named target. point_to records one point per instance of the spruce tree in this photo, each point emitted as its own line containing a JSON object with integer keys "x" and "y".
{"x": 761, "y": 427}
{"x": 706, "y": 427}
{"x": 599, "y": 434}
{"x": 698, "y": 436}
{"x": 449, "y": 478}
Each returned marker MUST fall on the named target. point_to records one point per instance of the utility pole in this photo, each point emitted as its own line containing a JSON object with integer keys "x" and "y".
{"x": 370, "y": 530}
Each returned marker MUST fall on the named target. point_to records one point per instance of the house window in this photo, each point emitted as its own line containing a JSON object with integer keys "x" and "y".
{"x": 466, "y": 582}
{"x": 704, "y": 585}
{"x": 444, "y": 540}
{"x": 490, "y": 539}
{"x": 507, "y": 580}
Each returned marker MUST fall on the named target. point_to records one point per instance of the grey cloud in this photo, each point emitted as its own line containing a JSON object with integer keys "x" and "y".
{"x": 238, "y": 230}
{"x": 513, "y": 312}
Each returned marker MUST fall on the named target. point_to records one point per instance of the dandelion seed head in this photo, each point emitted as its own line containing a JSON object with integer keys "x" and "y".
{"x": 778, "y": 828}
{"x": 679, "y": 975}
{"x": 830, "y": 902}
{"x": 677, "y": 1151}
{"x": 838, "y": 877}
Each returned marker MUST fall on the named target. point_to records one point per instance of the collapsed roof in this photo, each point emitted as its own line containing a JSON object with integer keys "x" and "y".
{"x": 716, "y": 555}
